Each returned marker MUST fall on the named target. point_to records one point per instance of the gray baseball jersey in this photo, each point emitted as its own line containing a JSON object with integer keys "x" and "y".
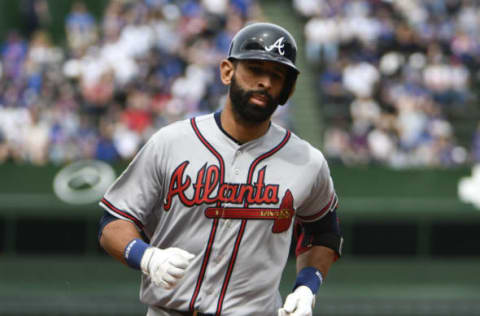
{"x": 193, "y": 187}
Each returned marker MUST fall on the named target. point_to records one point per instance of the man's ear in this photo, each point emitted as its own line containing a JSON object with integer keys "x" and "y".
{"x": 227, "y": 68}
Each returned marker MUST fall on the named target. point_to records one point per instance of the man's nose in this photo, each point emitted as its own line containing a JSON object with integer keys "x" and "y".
{"x": 264, "y": 82}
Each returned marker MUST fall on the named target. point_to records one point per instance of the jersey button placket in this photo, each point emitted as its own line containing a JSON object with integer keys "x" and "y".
{"x": 238, "y": 178}
{"x": 218, "y": 258}
{"x": 209, "y": 290}
{"x": 235, "y": 166}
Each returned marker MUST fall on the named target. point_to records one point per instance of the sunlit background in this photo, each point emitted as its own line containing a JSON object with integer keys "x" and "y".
{"x": 388, "y": 91}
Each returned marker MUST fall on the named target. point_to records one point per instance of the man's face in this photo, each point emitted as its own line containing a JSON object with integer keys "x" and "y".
{"x": 255, "y": 89}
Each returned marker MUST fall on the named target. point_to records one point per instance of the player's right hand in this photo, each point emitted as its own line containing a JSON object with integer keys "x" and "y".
{"x": 165, "y": 266}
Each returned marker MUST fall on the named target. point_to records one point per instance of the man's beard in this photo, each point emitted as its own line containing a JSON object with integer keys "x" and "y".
{"x": 246, "y": 111}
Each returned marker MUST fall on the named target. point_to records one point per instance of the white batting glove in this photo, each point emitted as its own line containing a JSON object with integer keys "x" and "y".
{"x": 165, "y": 266}
{"x": 298, "y": 303}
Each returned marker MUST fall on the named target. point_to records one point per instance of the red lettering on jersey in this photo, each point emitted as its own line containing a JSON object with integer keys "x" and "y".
{"x": 178, "y": 187}
{"x": 211, "y": 182}
{"x": 227, "y": 192}
{"x": 208, "y": 189}
{"x": 264, "y": 193}
{"x": 199, "y": 185}
{"x": 246, "y": 194}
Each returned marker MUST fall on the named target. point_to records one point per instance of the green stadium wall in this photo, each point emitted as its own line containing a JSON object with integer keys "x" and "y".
{"x": 383, "y": 212}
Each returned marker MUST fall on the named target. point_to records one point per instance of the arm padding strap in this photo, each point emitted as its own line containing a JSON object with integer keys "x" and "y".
{"x": 324, "y": 232}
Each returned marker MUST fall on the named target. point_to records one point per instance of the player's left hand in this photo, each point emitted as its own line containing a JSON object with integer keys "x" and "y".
{"x": 298, "y": 303}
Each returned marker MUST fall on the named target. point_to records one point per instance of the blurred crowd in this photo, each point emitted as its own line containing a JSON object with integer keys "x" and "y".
{"x": 394, "y": 75}
{"x": 116, "y": 80}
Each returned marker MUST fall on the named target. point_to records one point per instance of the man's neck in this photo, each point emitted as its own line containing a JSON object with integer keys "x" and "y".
{"x": 242, "y": 132}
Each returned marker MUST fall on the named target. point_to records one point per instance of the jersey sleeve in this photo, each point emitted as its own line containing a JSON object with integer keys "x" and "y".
{"x": 135, "y": 192}
{"x": 322, "y": 198}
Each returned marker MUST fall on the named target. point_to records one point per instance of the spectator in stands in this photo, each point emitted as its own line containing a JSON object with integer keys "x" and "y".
{"x": 338, "y": 146}
{"x": 36, "y": 138}
{"x": 331, "y": 84}
{"x": 80, "y": 27}
{"x": 360, "y": 79}
{"x": 382, "y": 142}
{"x": 321, "y": 35}
{"x": 14, "y": 52}
{"x": 105, "y": 149}
{"x": 35, "y": 14}
{"x": 308, "y": 8}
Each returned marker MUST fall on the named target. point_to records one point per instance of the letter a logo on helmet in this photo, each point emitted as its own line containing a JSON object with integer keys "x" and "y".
{"x": 278, "y": 45}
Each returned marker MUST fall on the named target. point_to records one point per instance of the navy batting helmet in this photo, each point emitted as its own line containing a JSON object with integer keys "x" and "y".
{"x": 268, "y": 42}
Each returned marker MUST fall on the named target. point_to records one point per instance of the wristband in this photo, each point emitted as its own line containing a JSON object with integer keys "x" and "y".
{"x": 134, "y": 252}
{"x": 310, "y": 277}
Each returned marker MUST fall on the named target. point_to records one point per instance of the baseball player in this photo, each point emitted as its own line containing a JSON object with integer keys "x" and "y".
{"x": 207, "y": 208}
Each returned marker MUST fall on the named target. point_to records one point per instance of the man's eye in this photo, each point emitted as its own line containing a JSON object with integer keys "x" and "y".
{"x": 277, "y": 76}
{"x": 255, "y": 70}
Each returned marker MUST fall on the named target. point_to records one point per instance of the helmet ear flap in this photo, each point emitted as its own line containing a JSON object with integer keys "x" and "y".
{"x": 289, "y": 87}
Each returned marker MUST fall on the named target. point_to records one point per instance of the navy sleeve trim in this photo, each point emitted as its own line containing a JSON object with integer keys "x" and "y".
{"x": 104, "y": 221}
{"x": 124, "y": 214}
